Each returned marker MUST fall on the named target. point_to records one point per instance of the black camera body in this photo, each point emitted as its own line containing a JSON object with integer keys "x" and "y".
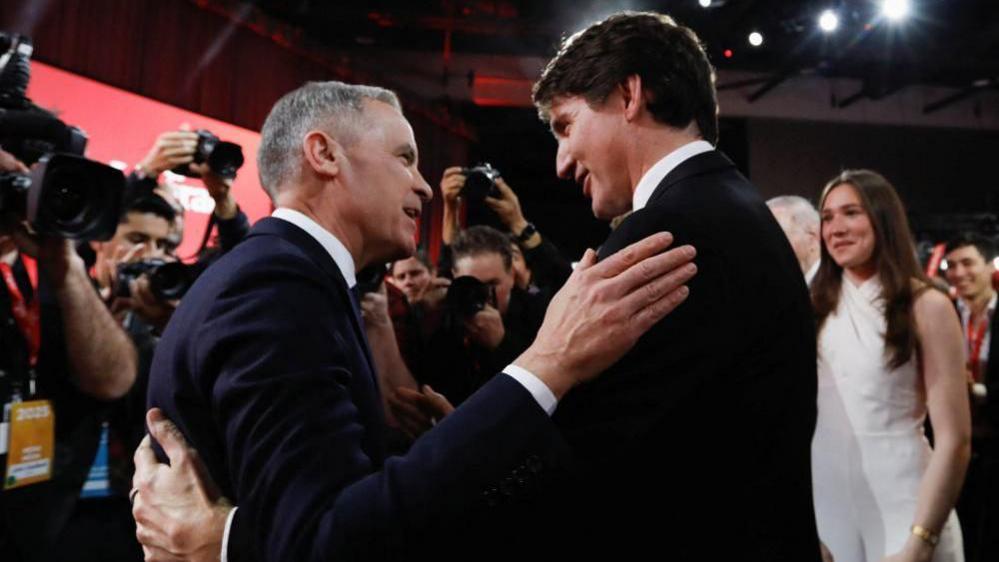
{"x": 370, "y": 278}
{"x": 224, "y": 158}
{"x": 468, "y": 296}
{"x": 65, "y": 194}
{"x": 480, "y": 182}
{"x": 168, "y": 280}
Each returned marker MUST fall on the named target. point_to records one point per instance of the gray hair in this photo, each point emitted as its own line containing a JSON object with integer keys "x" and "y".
{"x": 803, "y": 213}
{"x": 331, "y": 106}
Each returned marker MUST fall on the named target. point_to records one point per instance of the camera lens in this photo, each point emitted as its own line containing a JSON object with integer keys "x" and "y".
{"x": 67, "y": 199}
{"x": 170, "y": 280}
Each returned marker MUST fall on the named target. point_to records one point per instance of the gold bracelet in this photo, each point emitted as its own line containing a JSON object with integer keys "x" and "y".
{"x": 927, "y": 535}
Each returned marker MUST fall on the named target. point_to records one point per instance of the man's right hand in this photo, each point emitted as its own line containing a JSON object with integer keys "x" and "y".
{"x": 179, "y": 512}
{"x": 604, "y": 308}
{"x": 170, "y": 150}
{"x": 451, "y": 185}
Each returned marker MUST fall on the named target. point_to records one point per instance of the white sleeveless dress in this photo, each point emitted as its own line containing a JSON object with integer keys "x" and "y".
{"x": 869, "y": 452}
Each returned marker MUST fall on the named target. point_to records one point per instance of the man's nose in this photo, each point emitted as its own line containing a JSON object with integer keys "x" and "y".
{"x": 422, "y": 188}
{"x": 564, "y": 163}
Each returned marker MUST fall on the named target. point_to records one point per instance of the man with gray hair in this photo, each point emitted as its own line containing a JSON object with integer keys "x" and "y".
{"x": 267, "y": 373}
{"x": 800, "y": 222}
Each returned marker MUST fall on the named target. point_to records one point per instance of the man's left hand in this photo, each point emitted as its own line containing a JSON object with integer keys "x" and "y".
{"x": 417, "y": 412}
{"x": 143, "y": 302}
{"x": 179, "y": 512}
{"x": 486, "y": 328}
{"x": 507, "y": 207}
{"x": 374, "y": 309}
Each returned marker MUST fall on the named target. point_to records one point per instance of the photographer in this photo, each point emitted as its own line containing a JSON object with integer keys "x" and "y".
{"x": 61, "y": 348}
{"x": 546, "y": 269}
{"x": 179, "y": 151}
{"x": 487, "y": 322}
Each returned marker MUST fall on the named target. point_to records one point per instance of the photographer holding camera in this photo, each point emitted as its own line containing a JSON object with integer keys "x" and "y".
{"x": 487, "y": 320}
{"x": 200, "y": 154}
{"x": 546, "y": 269}
{"x": 64, "y": 359}
{"x": 65, "y": 356}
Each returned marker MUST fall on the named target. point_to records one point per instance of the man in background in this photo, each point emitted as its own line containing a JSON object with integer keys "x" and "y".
{"x": 800, "y": 222}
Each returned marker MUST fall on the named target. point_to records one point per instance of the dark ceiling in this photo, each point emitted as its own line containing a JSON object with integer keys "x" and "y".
{"x": 946, "y": 42}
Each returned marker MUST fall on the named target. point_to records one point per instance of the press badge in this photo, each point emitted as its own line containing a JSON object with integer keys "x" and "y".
{"x": 31, "y": 443}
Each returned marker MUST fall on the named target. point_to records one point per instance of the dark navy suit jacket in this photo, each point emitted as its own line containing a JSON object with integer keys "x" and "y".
{"x": 697, "y": 443}
{"x": 266, "y": 370}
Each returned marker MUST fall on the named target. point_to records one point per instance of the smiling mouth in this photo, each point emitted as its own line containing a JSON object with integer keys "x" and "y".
{"x": 411, "y": 213}
{"x": 584, "y": 180}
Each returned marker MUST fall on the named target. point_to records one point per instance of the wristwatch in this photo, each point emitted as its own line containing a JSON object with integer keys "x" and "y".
{"x": 526, "y": 234}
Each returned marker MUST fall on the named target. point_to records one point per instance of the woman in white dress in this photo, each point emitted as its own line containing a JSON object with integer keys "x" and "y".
{"x": 890, "y": 351}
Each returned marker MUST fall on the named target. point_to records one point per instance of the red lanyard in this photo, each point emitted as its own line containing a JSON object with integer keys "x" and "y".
{"x": 975, "y": 339}
{"x": 26, "y": 314}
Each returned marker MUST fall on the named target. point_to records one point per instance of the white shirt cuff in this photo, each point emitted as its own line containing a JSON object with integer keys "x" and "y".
{"x": 225, "y": 535}
{"x": 539, "y": 390}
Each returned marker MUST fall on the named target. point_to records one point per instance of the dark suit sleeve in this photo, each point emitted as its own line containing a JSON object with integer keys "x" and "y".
{"x": 233, "y": 230}
{"x": 676, "y": 359}
{"x": 296, "y": 428}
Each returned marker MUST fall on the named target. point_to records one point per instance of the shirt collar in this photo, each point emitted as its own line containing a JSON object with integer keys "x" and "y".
{"x": 330, "y": 243}
{"x": 654, "y": 176}
{"x": 965, "y": 310}
{"x": 810, "y": 274}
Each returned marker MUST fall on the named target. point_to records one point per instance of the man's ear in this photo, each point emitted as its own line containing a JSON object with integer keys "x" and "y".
{"x": 633, "y": 96}
{"x": 322, "y": 153}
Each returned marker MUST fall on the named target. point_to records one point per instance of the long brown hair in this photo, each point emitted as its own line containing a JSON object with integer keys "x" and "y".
{"x": 901, "y": 278}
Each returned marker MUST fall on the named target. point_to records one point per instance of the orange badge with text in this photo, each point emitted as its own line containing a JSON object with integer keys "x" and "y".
{"x": 31, "y": 444}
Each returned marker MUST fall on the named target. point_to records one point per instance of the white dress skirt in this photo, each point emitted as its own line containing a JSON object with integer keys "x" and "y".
{"x": 869, "y": 452}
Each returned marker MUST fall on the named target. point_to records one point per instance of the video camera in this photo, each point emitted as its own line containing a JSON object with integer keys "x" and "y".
{"x": 224, "y": 158}
{"x": 168, "y": 280}
{"x": 65, "y": 194}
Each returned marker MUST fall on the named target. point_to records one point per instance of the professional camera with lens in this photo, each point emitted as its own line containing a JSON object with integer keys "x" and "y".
{"x": 480, "y": 182}
{"x": 467, "y": 296}
{"x": 168, "y": 280}
{"x": 223, "y": 158}
{"x": 66, "y": 194}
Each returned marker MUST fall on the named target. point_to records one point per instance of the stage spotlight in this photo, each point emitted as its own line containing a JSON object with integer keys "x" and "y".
{"x": 728, "y": 53}
{"x": 828, "y": 21}
{"x": 756, "y": 38}
{"x": 895, "y": 10}
{"x": 704, "y": 3}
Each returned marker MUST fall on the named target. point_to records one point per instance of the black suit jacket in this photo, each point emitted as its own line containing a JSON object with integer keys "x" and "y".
{"x": 265, "y": 369}
{"x": 696, "y": 445}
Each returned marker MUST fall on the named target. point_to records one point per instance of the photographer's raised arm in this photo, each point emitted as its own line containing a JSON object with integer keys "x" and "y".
{"x": 100, "y": 354}
{"x": 451, "y": 184}
{"x": 171, "y": 149}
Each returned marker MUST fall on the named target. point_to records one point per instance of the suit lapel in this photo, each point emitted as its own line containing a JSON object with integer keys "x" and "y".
{"x": 315, "y": 251}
